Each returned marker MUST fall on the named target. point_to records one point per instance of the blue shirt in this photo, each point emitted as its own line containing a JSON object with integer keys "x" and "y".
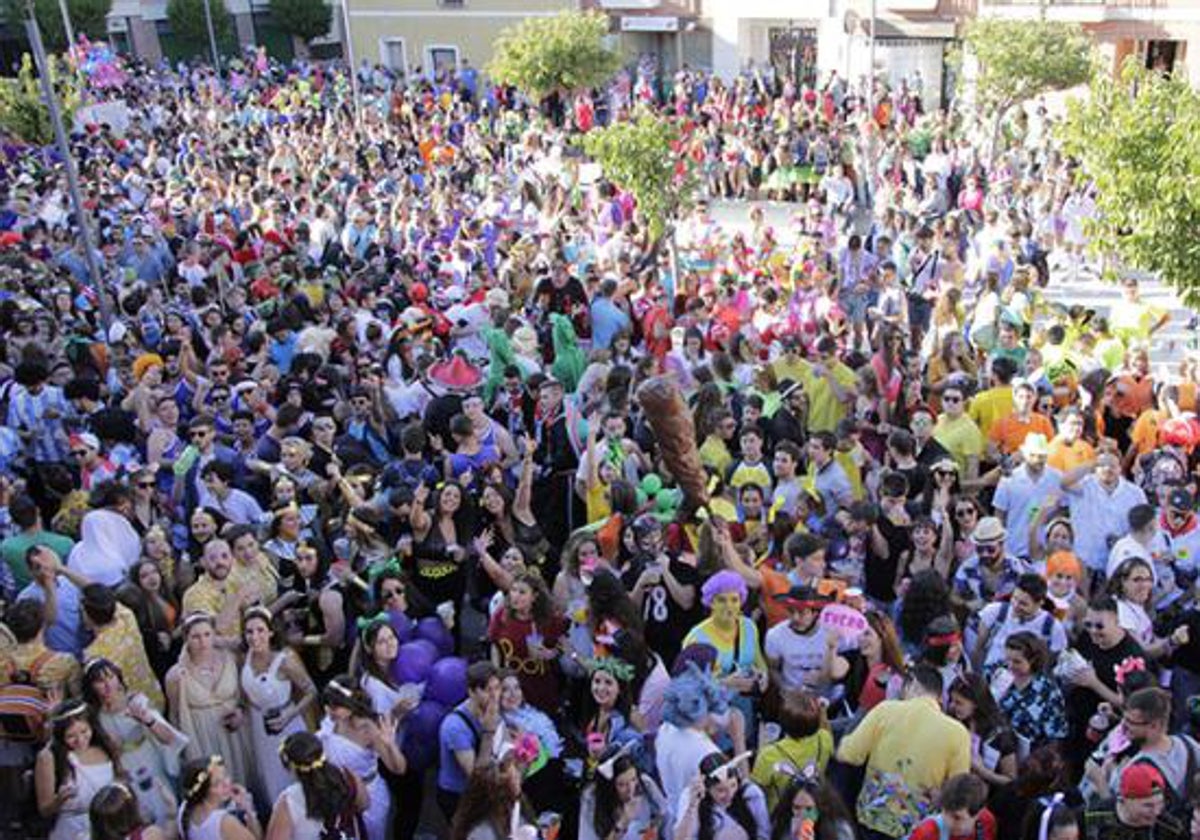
{"x": 27, "y": 412}
{"x": 65, "y": 635}
{"x": 607, "y": 320}
{"x": 456, "y": 735}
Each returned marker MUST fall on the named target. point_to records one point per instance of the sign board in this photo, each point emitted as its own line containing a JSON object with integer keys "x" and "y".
{"x": 650, "y": 23}
{"x": 847, "y": 622}
{"x": 115, "y": 113}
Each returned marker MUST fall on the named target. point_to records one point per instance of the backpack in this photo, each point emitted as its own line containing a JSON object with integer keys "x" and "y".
{"x": 23, "y": 706}
{"x": 943, "y": 829}
{"x": 1178, "y": 803}
{"x": 1045, "y": 631}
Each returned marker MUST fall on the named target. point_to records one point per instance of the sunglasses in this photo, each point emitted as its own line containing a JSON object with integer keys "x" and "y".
{"x": 1093, "y": 625}
{"x": 951, "y": 399}
{"x": 79, "y": 453}
{"x": 393, "y": 593}
{"x": 965, "y": 512}
{"x": 146, "y": 485}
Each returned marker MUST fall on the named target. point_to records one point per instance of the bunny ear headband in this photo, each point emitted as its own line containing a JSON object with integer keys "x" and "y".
{"x": 607, "y": 767}
{"x": 731, "y": 764}
{"x": 1047, "y": 814}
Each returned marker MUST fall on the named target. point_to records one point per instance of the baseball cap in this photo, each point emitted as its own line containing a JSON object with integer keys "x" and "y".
{"x": 1180, "y": 499}
{"x": 1141, "y": 780}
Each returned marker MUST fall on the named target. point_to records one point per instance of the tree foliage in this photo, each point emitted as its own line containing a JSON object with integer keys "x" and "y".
{"x": 1019, "y": 59}
{"x": 1136, "y": 139}
{"x": 642, "y": 157}
{"x": 559, "y": 54}
{"x": 306, "y": 19}
{"x": 88, "y": 17}
{"x": 187, "y": 20}
{"x": 23, "y": 112}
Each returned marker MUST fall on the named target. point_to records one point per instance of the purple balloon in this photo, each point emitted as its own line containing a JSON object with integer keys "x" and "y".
{"x": 402, "y": 625}
{"x": 414, "y": 662}
{"x": 448, "y": 681}
{"x": 432, "y": 629}
{"x": 420, "y": 742}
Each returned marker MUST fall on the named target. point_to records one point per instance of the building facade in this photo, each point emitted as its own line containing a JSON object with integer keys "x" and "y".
{"x": 1158, "y": 33}
{"x": 424, "y": 36}
{"x": 818, "y": 37}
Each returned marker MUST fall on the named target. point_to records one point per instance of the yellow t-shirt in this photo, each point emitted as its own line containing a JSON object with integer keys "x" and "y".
{"x": 990, "y": 406}
{"x": 961, "y": 438}
{"x": 815, "y": 751}
{"x": 598, "y": 507}
{"x": 121, "y": 643}
{"x": 714, "y": 454}
{"x": 824, "y": 409}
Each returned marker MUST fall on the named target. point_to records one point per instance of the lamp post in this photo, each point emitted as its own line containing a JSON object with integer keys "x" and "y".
{"x": 348, "y": 50}
{"x": 871, "y": 59}
{"x": 68, "y": 27}
{"x": 212, "y": 36}
{"x": 95, "y": 273}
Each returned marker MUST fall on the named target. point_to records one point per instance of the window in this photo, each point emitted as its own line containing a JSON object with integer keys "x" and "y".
{"x": 451, "y": 4}
{"x": 393, "y": 56}
{"x": 442, "y": 59}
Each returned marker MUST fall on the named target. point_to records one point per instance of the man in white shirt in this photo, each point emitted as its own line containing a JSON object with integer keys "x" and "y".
{"x": 801, "y": 653}
{"x": 1023, "y": 611}
{"x": 1021, "y": 495}
{"x": 1100, "y": 500}
{"x": 1144, "y": 540}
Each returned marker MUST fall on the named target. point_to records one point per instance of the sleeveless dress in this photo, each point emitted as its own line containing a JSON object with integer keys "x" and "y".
{"x": 72, "y": 821}
{"x": 304, "y": 827}
{"x": 267, "y": 691}
{"x": 149, "y": 763}
{"x": 210, "y": 829}
{"x": 364, "y": 763}
{"x": 201, "y": 717}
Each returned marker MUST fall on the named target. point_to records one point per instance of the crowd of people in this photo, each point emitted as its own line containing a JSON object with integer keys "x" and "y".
{"x": 413, "y": 486}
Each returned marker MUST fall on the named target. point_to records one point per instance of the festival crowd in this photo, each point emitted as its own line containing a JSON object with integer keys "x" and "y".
{"x": 415, "y": 487}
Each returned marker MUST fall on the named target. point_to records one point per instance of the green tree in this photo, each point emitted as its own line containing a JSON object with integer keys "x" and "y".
{"x": 641, "y": 157}
{"x": 1018, "y": 60}
{"x": 187, "y": 20}
{"x": 88, "y": 17}
{"x": 23, "y": 112}
{"x": 1136, "y": 140}
{"x": 560, "y": 54}
{"x": 305, "y": 19}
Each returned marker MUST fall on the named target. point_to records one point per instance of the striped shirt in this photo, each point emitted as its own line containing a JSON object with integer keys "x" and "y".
{"x": 27, "y": 412}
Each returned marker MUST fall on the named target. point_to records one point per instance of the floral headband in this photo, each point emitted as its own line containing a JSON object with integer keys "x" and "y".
{"x": 214, "y": 761}
{"x": 297, "y": 767}
{"x": 621, "y": 670}
{"x": 1128, "y": 666}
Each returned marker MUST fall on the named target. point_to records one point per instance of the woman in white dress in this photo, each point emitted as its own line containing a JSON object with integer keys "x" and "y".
{"x": 74, "y": 766}
{"x": 325, "y": 798}
{"x": 356, "y": 738}
{"x": 214, "y": 807}
{"x": 277, "y": 690}
{"x": 205, "y": 699}
{"x": 150, "y": 747}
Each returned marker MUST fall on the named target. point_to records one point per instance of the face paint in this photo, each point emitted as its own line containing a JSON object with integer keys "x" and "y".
{"x": 726, "y": 608}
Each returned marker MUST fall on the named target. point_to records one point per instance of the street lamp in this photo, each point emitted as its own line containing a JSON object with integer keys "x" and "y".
{"x": 348, "y": 51}
{"x": 68, "y": 27}
{"x": 212, "y": 37}
{"x": 95, "y": 274}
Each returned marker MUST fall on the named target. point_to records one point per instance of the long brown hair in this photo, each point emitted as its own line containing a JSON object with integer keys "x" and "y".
{"x": 892, "y": 653}
{"x": 487, "y": 799}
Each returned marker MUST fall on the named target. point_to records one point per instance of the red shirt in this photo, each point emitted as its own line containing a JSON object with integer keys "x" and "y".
{"x": 538, "y": 677}
{"x": 930, "y": 829}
